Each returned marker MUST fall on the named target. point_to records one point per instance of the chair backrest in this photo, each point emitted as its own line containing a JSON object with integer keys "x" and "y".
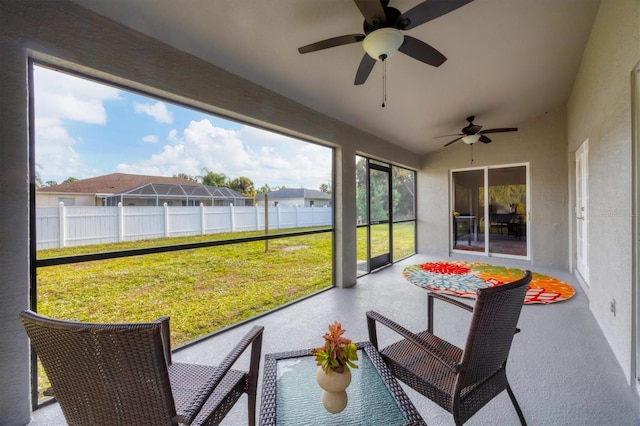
{"x": 104, "y": 373}
{"x": 494, "y": 323}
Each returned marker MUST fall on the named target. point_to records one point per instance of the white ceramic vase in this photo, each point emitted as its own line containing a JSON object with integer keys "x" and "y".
{"x": 334, "y": 395}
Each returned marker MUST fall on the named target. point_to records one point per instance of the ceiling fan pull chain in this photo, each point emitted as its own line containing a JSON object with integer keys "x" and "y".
{"x": 384, "y": 82}
{"x": 471, "y": 153}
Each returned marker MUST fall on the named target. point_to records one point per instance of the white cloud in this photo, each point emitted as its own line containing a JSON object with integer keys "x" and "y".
{"x": 60, "y": 96}
{"x": 264, "y": 157}
{"x": 158, "y": 111}
{"x": 57, "y": 98}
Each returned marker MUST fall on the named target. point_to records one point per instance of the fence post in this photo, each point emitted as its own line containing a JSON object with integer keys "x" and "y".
{"x": 166, "y": 219}
{"x": 202, "y": 221}
{"x": 120, "y": 222}
{"x": 232, "y": 218}
{"x": 61, "y": 241}
{"x": 278, "y": 218}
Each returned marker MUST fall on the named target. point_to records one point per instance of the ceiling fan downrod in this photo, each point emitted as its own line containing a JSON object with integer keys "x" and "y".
{"x": 384, "y": 79}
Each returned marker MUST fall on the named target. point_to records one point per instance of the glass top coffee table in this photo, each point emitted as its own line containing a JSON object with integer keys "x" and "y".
{"x": 291, "y": 395}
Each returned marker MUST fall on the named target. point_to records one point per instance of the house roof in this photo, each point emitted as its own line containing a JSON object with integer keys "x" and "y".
{"x": 114, "y": 183}
{"x": 142, "y": 185}
{"x": 296, "y": 193}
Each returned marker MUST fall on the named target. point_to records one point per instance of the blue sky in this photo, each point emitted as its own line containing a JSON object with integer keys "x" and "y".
{"x": 85, "y": 129}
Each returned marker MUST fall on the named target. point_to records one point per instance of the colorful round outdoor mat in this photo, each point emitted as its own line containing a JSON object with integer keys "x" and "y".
{"x": 464, "y": 278}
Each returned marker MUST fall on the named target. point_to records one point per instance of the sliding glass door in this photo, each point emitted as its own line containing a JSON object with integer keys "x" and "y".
{"x": 490, "y": 211}
{"x": 468, "y": 210}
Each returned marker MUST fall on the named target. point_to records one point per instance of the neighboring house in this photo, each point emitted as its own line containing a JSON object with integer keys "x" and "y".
{"x": 137, "y": 190}
{"x": 295, "y": 197}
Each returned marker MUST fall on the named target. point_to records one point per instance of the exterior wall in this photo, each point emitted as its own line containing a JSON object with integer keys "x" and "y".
{"x": 542, "y": 144}
{"x": 600, "y": 109}
{"x": 44, "y": 199}
{"x": 297, "y": 202}
{"x": 63, "y": 33}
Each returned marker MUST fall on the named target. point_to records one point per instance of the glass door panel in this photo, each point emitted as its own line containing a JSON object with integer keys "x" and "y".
{"x": 362, "y": 220}
{"x": 379, "y": 214}
{"x": 468, "y": 210}
{"x": 507, "y": 227}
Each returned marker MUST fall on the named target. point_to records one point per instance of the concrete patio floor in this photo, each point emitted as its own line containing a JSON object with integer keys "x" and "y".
{"x": 560, "y": 368}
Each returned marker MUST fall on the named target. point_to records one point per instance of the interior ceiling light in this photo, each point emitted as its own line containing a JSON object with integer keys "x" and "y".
{"x": 383, "y": 43}
{"x": 471, "y": 139}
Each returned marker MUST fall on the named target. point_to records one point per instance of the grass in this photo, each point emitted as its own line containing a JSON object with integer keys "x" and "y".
{"x": 202, "y": 290}
{"x": 403, "y": 240}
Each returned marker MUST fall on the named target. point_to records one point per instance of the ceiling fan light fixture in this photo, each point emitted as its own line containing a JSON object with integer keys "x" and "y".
{"x": 471, "y": 139}
{"x": 383, "y": 43}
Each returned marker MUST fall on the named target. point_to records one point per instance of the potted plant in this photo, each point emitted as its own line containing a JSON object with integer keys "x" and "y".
{"x": 335, "y": 359}
{"x": 338, "y": 353}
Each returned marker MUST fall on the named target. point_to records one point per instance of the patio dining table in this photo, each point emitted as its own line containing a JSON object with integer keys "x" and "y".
{"x": 291, "y": 395}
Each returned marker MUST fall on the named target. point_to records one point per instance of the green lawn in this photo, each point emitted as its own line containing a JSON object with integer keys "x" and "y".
{"x": 403, "y": 240}
{"x": 202, "y": 290}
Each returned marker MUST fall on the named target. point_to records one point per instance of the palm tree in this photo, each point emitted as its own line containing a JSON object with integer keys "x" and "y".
{"x": 243, "y": 185}
{"x": 214, "y": 179}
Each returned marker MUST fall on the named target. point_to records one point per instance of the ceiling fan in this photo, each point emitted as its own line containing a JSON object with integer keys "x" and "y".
{"x": 383, "y": 26}
{"x": 473, "y": 133}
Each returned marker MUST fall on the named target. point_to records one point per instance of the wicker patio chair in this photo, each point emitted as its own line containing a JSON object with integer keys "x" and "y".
{"x": 461, "y": 381}
{"x": 117, "y": 374}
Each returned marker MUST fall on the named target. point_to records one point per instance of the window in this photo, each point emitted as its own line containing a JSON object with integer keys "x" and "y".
{"x": 168, "y": 223}
{"x": 384, "y": 235}
{"x": 67, "y": 201}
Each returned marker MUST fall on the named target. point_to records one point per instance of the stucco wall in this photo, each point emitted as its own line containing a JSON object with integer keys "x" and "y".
{"x": 541, "y": 143}
{"x": 53, "y": 200}
{"x": 600, "y": 109}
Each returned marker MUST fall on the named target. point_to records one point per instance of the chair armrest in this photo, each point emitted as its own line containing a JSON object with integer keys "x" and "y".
{"x": 253, "y": 338}
{"x": 373, "y": 317}
{"x": 166, "y": 338}
{"x": 431, "y": 296}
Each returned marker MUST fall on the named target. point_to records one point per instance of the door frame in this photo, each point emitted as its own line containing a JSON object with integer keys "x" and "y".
{"x": 485, "y": 235}
{"x": 582, "y": 211}
{"x": 384, "y": 259}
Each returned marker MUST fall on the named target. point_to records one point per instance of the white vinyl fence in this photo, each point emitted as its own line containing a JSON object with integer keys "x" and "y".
{"x": 74, "y": 225}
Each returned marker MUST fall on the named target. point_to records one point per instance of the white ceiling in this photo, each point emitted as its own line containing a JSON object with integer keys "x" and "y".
{"x": 509, "y": 61}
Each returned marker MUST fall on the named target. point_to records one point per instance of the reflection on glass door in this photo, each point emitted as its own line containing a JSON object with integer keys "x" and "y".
{"x": 468, "y": 210}
{"x": 379, "y": 215}
{"x": 508, "y": 210}
{"x": 490, "y": 211}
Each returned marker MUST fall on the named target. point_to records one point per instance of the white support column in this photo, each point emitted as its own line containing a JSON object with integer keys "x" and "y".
{"x": 345, "y": 218}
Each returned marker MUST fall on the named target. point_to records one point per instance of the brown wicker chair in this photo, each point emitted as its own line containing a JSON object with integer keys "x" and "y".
{"x": 116, "y": 374}
{"x": 460, "y": 381}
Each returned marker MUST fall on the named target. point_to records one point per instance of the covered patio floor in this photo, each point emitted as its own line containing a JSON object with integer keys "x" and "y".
{"x": 561, "y": 368}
